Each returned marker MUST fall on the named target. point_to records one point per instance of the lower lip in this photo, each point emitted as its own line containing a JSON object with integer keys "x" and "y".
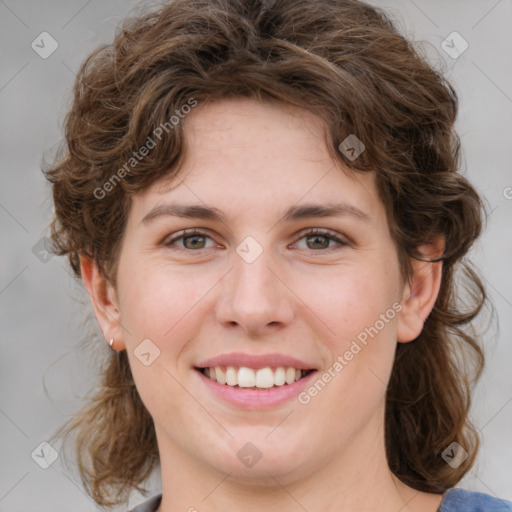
{"x": 257, "y": 398}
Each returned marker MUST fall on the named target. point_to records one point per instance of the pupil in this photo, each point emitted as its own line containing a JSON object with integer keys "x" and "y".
{"x": 316, "y": 237}
{"x": 194, "y": 238}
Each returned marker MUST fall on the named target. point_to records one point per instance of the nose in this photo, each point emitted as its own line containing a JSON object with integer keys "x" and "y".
{"x": 255, "y": 297}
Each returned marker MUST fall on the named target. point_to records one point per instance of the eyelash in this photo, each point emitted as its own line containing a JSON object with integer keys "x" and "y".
{"x": 315, "y": 231}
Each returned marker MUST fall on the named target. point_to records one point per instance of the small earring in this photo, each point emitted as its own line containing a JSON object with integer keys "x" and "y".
{"x": 111, "y": 343}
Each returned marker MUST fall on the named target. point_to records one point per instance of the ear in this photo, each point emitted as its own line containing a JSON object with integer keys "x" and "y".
{"x": 420, "y": 293}
{"x": 104, "y": 301}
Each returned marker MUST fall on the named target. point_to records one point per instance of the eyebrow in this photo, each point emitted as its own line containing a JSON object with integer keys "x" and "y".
{"x": 305, "y": 211}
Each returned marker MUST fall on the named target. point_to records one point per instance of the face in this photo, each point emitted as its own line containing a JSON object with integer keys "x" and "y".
{"x": 257, "y": 295}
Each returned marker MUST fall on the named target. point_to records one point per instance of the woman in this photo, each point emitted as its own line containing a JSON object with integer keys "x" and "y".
{"x": 262, "y": 200}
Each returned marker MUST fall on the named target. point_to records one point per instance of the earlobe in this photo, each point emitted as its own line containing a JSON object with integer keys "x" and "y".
{"x": 420, "y": 294}
{"x": 104, "y": 301}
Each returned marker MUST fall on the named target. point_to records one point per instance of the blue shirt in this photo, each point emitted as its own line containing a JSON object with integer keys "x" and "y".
{"x": 454, "y": 500}
{"x": 460, "y": 500}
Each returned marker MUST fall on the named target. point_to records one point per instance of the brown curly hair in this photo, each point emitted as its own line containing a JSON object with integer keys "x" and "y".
{"x": 346, "y": 62}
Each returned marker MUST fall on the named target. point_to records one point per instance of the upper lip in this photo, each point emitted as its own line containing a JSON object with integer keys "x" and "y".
{"x": 254, "y": 361}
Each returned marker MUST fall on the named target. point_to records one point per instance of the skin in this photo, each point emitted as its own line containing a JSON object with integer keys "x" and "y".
{"x": 253, "y": 160}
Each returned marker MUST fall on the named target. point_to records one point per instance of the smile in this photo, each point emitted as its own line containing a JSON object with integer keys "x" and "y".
{"x": 255, "y": 381}
{"x": 261, "y": 378}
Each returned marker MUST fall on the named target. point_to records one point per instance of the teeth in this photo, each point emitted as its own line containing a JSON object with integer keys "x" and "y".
{"x": 290, "y": 375}
{"x": 279, "y": 376}
{"x": 246, "y": 377}
{"x": 231, "y": 376}
{"x": 219, "y": 374}
{"x": 263, "y": 378}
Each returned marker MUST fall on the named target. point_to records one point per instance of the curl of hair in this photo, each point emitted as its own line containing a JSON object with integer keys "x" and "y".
{"x": 346, "y": 62}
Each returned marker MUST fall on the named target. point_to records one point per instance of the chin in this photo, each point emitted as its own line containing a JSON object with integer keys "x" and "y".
{"x": 258, "y": 460}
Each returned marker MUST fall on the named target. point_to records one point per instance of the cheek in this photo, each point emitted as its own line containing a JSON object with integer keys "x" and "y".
{"x": 349, "y": 301}
{"x": 361, "y": 308}
{"x": 156, "y": 301}
{"x": 160, "y": 305}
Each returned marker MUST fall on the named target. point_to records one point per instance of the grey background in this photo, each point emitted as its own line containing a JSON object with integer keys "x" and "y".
{"x": 41, "y": 313}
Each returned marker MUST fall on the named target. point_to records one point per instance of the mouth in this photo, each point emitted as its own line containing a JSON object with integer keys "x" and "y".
{"x": 265, "y": 378}
{"x": 255, "y": 381}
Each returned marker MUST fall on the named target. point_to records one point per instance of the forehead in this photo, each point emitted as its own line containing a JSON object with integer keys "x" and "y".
{"x": 246, "y": 157}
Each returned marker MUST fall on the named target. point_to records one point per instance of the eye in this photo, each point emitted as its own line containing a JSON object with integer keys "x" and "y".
{"x": 321, "y": 238}
{"x": 192, "y": 239}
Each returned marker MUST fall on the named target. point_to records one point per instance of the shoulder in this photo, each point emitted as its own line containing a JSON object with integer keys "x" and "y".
{"x": 150, "y": 505}
{"x": 460, "y": 500}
